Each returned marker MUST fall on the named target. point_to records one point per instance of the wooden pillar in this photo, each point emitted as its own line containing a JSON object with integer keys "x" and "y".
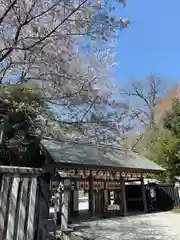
{"x": 144, "y": 195}
{"x": 44, "y": 183}
{"x": 123, "y": 197}
{"x": 91, "y": 196}
{"x": 109, "y": 197}
{"x": 75, "y": 202}
{"x": 106, "y": 197}
{"x": 106, "y": 201}
{"x": 56, "y": 208}
{"x": 64, "y": 214}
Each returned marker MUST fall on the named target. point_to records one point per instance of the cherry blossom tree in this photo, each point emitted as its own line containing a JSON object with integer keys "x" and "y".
{"x": 42, "y": 45}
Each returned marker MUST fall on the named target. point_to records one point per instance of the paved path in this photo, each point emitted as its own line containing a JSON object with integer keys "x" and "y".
{"x": 156, "y": 226}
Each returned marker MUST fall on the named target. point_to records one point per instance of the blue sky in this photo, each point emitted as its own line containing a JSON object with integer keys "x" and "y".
{"x": 151, "y": 44}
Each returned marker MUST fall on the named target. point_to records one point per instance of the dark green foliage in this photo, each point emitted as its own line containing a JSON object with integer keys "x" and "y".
{"x": 20, "y": 106}
{"x": 172, "y": 121}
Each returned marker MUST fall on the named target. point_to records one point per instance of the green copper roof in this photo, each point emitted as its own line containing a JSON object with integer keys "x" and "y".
{"x": 97, "y": 156}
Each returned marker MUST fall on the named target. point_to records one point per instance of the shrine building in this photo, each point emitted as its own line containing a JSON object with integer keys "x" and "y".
{"x": 102, "y": 171}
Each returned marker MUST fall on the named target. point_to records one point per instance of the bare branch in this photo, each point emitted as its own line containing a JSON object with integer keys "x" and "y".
{"x": 54, "y": 30}
{"x": 7, "y": 10}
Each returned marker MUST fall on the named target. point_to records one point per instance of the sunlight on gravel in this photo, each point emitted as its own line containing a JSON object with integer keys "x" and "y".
{"x": 160, "y": 226}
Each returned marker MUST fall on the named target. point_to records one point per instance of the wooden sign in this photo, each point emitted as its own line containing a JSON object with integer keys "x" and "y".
{"x": 113, "y": 207}
{"x": 113, "y": 185}
{"x": 67, "y": 183}
{"x": 98, "y": 185}
{"x": 82, "y": 185}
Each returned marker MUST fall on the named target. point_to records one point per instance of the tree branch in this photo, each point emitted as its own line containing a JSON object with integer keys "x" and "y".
{"x": 7, "y": 11}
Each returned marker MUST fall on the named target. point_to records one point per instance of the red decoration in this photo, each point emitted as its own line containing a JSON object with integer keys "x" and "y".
{"x": 86, "y": 185}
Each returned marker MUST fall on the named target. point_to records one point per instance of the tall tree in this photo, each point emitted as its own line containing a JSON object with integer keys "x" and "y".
{"x": 166, "y": 149}
{"x": 144, "y": 98}
{"x": 172, "y": 120}
{"x": 42, "y": 43}
{"x": 39, "y": 43}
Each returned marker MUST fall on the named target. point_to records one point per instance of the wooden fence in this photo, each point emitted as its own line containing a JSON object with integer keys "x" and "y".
{"x": 167, "y": 194}
{"x": 172, "y": 192}
{"x": 24, "y": 196}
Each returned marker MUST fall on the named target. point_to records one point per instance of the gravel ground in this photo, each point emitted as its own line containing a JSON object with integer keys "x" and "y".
{"x": 160, "y": 226}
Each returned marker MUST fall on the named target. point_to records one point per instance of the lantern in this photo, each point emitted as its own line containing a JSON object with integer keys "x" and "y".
{"x": 71, "y": 173}
{"x": 94, "y": 173}
{"x": 101, "y": 174}
{"x": 107, "y": 175}
{"x": 138, "y": 175}
{"x": 117, "y": 175}
{"x": 112, "y": 176}
{"x": 80, "y": 173}
{"x": 128, "y": 175}
{"x": 134, "y": 175}
{"x": 97, "y": 175}
{"x": 87, "y": 173}
{"x": 104, "y": 175}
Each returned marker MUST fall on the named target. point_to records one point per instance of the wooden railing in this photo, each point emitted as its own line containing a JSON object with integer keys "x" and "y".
{"x": 24, "y": 196}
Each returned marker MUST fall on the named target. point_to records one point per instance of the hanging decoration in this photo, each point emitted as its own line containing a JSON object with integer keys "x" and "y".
{"x": 100, "y": 174}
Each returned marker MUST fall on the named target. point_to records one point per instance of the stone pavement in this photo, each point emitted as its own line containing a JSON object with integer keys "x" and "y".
{"x": 155, "y": 226}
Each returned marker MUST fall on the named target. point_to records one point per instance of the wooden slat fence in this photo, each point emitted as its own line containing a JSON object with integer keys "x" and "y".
{"x": 171, "y": 191}
{"x": 24, "y": 208}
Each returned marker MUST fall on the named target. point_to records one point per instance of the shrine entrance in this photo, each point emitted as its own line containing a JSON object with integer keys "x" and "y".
{"x": 105, "y": 192}
{"x": 101, "y": 193}
{"x": 99, "y": 169}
